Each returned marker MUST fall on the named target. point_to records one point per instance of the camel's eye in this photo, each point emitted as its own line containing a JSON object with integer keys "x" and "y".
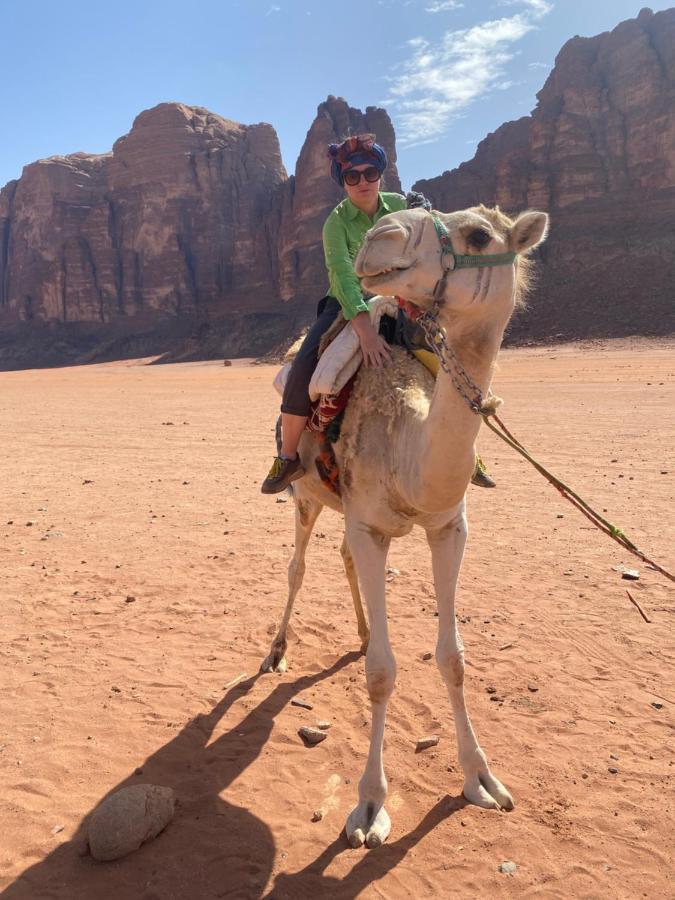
{"x": 479, "y": 238}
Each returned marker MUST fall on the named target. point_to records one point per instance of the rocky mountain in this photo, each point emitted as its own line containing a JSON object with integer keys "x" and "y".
{"x": 598, "y": 153}
{"x": 186, "y": 237}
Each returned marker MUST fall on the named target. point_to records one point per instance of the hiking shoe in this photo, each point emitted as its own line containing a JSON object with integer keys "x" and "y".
{"x": 482, "y": 479}
{"x": 480, "y": 476}
{"x": 282, "y": 473}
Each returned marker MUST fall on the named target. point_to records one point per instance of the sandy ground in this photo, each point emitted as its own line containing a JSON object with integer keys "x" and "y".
{"x": 142, "y": 573}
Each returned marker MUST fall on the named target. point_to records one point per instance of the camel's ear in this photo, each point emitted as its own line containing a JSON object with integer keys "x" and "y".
{"x": 530, "y": 229}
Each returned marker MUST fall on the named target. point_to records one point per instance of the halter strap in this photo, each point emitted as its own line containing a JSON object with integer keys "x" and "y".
{"x": 468, "y": 260}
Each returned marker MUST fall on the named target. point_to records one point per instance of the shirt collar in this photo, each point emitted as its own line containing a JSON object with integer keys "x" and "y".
{"x": 353, "y": 211}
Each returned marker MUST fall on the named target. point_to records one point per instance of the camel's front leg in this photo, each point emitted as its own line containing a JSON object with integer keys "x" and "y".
{"x": 369, "y": 821}
{"x": 306, "y": 513}
{"x": 447, "y": 548}
{"x": 361, "y": 622}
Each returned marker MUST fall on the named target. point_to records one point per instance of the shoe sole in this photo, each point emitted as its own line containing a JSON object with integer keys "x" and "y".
{"x": 283, "y": 485}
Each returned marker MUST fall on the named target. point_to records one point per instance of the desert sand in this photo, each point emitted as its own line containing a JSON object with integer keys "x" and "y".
{"x": 143, "y": 575}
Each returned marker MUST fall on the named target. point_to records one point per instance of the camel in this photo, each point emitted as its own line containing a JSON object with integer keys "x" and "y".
{"x": 406, "y": 455}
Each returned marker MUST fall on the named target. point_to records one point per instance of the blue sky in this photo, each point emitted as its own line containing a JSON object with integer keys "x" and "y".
{"x": 73, "y": 77}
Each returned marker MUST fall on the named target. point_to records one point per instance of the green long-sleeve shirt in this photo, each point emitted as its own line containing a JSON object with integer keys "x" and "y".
{"x": 343, "y": 235}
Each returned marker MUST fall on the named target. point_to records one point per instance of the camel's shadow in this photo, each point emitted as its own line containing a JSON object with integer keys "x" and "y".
{"x": 240, "y": 846}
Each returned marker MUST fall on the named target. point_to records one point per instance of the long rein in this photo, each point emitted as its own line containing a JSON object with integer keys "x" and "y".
{"x": 486, "y": 406}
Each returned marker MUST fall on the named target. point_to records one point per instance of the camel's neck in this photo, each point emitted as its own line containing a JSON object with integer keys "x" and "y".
{"x": 446, "y": 456}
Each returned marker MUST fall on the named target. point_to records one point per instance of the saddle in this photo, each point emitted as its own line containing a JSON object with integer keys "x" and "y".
{"x": 340, "y": 358}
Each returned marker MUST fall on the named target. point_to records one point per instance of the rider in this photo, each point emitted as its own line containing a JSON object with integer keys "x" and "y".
{"x": 357, "y": 165}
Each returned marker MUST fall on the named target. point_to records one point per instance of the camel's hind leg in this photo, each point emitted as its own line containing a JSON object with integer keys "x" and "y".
{"x": 447, "y": 548}
{"x": 306, "y": 514}
{"x": 362, "y": 623}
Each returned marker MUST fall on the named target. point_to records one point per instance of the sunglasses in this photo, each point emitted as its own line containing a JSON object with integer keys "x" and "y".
{"x": 352, "y": 177}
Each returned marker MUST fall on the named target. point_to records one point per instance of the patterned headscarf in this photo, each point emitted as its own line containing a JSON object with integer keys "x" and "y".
{"x": 355, "y": 151}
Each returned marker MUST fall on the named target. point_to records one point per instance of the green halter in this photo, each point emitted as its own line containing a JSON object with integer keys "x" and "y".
{"x": 469, "y": 260}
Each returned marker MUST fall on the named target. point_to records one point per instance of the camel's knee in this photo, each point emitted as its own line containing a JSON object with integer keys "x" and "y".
{"x": 380, "y": 681}
{"x": 450, "y": 661}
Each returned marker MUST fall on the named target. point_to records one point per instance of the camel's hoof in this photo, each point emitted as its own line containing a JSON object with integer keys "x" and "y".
{"x": 371, "y": 830}
{"x": 483, "y": 789}
{"x": 274, "y": 663}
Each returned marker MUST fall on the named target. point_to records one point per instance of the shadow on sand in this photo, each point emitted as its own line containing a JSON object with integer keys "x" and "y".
{"x": 236, "y": 849}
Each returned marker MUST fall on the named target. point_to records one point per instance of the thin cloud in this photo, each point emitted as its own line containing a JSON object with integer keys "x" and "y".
{"x": 443, "y": 6}
{"x": 273, "y": 9}
{"x": 536, "y": 8}
{"x": 442, "y": 78}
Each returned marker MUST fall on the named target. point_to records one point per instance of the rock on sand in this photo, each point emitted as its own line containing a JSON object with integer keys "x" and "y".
{"x": 129, "y": 818}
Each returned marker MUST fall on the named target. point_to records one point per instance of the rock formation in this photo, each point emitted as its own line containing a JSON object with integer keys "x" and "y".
{"x": 186, "y": 236}
{"x": 189, "y": 234}
{"x": 598, "y": 153}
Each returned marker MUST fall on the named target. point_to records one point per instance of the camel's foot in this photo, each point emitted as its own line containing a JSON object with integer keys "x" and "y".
{"x": 369, "y": 825}
{"x": 275, "y": 661}
{"x": 483, "y": 789}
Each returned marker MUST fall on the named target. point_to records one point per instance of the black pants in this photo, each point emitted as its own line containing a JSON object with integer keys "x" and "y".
{"x": 296, "y": 393}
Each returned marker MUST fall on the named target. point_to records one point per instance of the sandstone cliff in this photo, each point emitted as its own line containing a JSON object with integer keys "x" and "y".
{"x": 186, "y": 237}
{"x": 598, "y": 153}
{"x": 189, "y": 234}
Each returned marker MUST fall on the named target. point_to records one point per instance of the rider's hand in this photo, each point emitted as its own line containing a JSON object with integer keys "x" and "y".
{"x": 376, "y": 351}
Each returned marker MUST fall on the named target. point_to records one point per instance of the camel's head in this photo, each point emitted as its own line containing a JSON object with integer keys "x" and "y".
{"x": 402, "y": 255}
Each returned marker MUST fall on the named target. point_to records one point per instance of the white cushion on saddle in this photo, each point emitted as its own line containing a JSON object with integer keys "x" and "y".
{"x": 280, "y": 379}
{"x": 342, "y": 357}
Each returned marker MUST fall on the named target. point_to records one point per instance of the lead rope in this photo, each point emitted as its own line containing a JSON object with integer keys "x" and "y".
{"x": 487, "y": 409}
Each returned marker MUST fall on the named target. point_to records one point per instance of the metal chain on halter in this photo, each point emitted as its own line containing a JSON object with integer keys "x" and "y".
{"x": 448, "y": 359}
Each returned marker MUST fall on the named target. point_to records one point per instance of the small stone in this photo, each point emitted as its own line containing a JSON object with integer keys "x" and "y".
{"x": 630, "y": 574}
{"x": 426, "y": 656}
{"x": 138, "y": 770}
{"x": 612, "y": 770}
{"x": 115, "y": 689}
{"x": 30, "y": 523}
{"x": 506, "y": 646}
{"x": 312, "y": 736}
{"x": 129, "y": 598}
{"x": 584, "y": 775}
{"x": 495, "y": 698}
{"x": 426, "y": 742}
{"x": 282, "y": 499}
{"x": 490, "y": 689}
{"x": 508, "y": 867}
{"x": 613, "y": 756}
{"x": 657, "y": 705}
{"x": 317, "y": 815}
{"x": 57, "y": 828}
{"x": 533, "y": 687}
{"x": 301, "y": 704}
{"x": 128, "y": 818}
{"x": 227, "y": 362}
{"x": 324, "y": 726}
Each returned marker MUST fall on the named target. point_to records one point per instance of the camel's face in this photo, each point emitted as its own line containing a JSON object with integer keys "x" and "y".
{"x": 402, "y": 256}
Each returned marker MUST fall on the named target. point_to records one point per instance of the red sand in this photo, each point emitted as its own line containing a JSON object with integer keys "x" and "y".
{"x": 125, "y": 481}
